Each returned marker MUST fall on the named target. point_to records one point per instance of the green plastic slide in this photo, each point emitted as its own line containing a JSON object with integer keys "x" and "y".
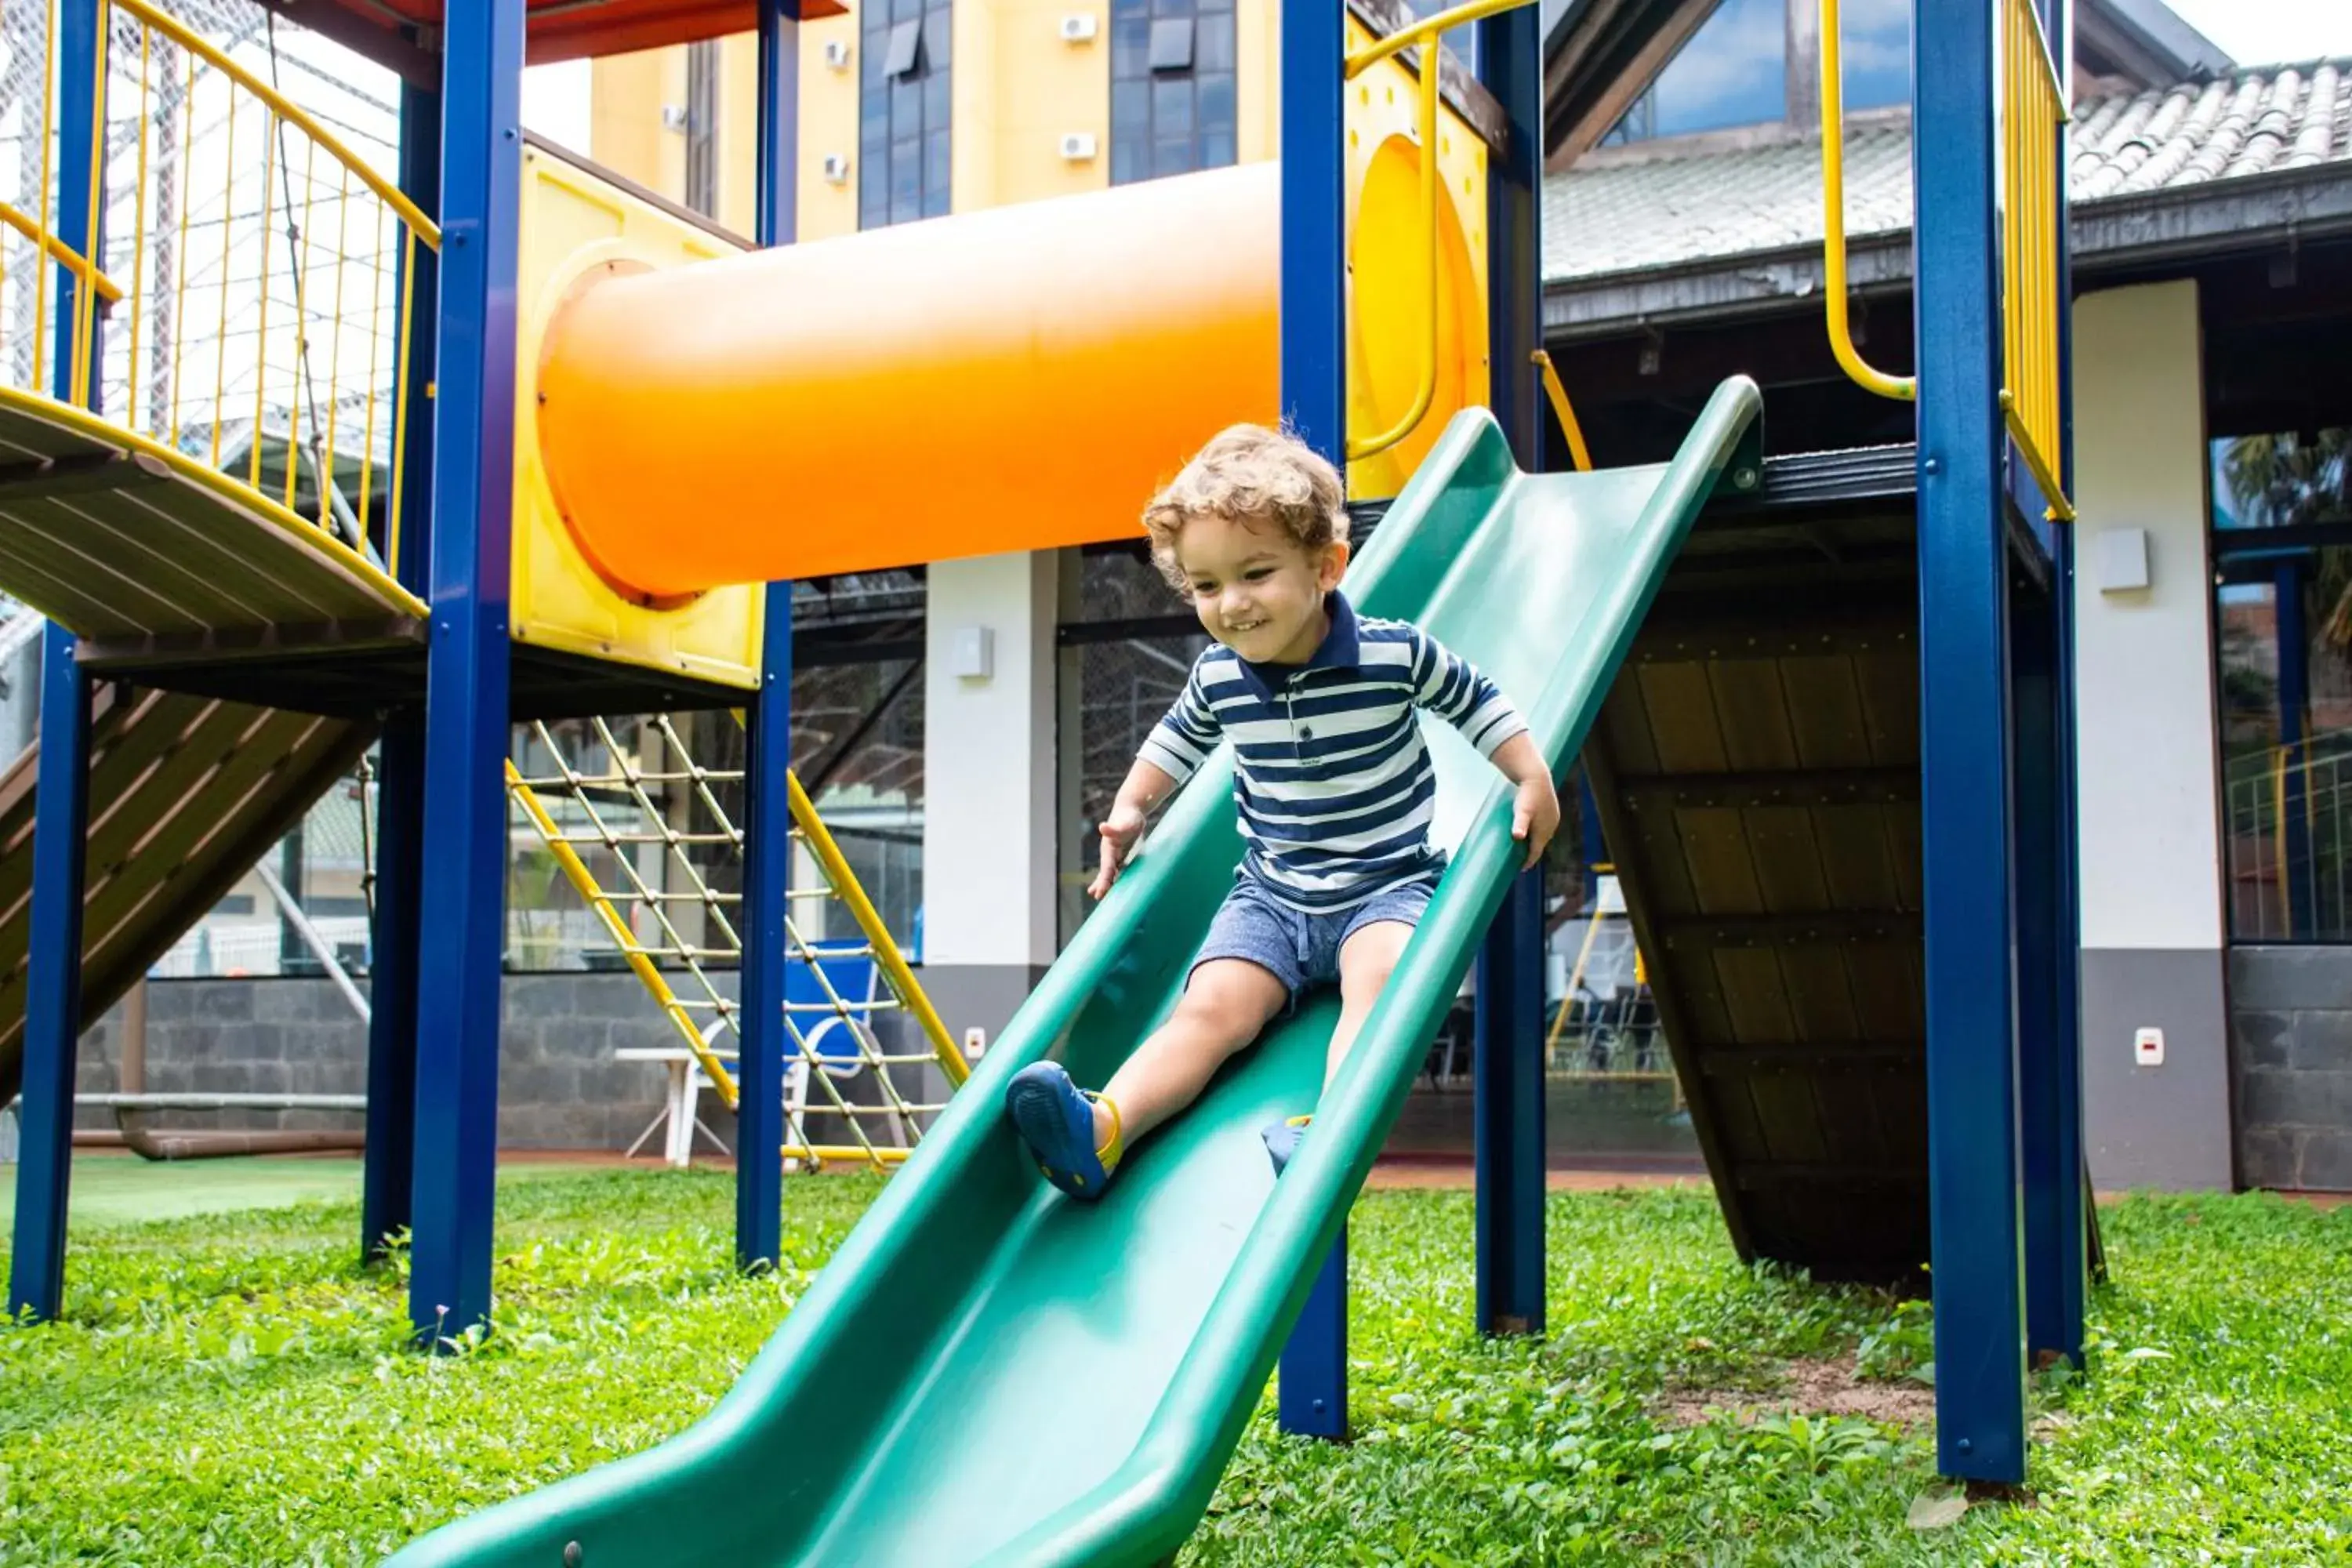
{"x": 988, "y": 1371}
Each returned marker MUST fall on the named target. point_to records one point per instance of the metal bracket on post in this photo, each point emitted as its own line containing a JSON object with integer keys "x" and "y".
{"x": 1313, "y": 1396}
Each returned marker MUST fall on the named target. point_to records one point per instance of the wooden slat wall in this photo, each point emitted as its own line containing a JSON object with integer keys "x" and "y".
{"x": 186, "y": 793}
{"x": 1757, "y": 769}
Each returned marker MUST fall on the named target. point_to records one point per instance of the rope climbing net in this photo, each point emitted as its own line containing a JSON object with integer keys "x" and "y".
{"x": 648, "y": 837}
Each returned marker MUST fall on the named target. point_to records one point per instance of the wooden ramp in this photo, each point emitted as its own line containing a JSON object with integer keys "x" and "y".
{"x": 1757, "y": 768}
{"x": 151, "y": 558}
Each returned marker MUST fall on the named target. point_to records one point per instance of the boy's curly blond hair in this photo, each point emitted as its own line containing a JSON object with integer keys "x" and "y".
{"x": 1248, "y": 473}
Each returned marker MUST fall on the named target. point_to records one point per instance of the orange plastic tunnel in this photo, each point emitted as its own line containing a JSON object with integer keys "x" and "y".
{"x": 1018, "y": 378}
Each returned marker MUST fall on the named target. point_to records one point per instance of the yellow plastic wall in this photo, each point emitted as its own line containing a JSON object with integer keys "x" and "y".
{"x": 577, "y": 225}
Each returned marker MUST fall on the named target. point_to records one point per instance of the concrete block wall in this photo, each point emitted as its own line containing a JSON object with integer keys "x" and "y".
{"x": 2291, "y": 1017}
{"x": 559, "y": 1087}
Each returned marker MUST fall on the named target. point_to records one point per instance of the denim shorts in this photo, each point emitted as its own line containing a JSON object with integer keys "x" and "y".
{"x": 1299, "y": 949}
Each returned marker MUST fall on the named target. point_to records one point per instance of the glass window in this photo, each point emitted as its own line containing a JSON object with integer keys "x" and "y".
{"x": 2283, "y": 620}
{"x": 903, "y": 127}
{"x": 1876, "y": 43}
{"x": 1730, "y": 73}
{"x": 1172, "y": 67}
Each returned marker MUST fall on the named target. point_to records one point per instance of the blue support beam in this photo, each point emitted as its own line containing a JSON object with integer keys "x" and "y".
{"x": 1313, "y": 1396}
{"x": 1509, "y": 1115}
{"x": 37, "y": 1274}
{"x": 2058, "y": 1217}
{"x": 767, "y": 816}
{"x": 2049, "y": 1059}
{"x": 462, "y": 885}
{"x": 1508, "y": 1072}
{"x": 1965, "y": 750}
{"x": 388, "y": 1183}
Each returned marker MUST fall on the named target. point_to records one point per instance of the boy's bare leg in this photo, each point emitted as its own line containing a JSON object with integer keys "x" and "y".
{"x": 1226, "y": 1004}
{"x": 1365, "y": 963}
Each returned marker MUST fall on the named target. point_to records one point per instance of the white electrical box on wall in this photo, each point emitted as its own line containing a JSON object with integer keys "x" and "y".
{"x": 1079, "y": 28}
{"x": 836, "y": 54}
{"x": 2121, "y": 565}
{"x": 1078, "y": 147}
{"x": 971, "y": 654}
{"x": 2148, "y": 1048}
{"x": 836, "y": 168}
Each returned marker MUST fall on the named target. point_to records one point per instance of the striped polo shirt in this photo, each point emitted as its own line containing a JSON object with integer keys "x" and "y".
{"x": 1332, "y": 778}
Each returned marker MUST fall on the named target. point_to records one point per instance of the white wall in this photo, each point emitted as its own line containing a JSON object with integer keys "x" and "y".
{"x": 989, "y": 851}
{"x": 2144, "y": 662}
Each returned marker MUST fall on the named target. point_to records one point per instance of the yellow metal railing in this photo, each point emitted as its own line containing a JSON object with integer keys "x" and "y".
{"x": 1869, "y": 377}
{"x": 249, "y": 292}
{"x": 1578, "y": 454}
{"x": 670, "y": 913}
{"x": 2032, "y": 121}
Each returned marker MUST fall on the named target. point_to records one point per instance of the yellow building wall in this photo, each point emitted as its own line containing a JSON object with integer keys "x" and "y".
{"x": 1020, "y": 88}
{"x": 1257, "y": 106}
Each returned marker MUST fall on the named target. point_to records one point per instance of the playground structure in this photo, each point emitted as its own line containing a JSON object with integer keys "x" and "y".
{"x": 1830, "y": 888}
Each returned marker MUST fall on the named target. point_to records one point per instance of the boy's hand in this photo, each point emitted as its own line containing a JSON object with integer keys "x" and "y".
{"x": 1535, "y": 817}
{"x": 1118, "y": 836}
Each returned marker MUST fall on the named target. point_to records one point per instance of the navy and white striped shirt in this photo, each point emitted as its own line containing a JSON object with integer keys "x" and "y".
{"x": 1332, "y": 778}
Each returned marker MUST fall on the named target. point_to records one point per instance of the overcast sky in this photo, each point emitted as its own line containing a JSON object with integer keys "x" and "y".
{"x": 2264, "y": 32}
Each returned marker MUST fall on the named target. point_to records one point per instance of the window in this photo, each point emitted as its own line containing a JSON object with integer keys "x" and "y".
{"x": 2282, "y": 618}
{"x": 903, "y": 147}
{"x": 1729, "y": 73}
{"x": 702, "y": 127}
{"x": 1876, "y": 41}
{"x": 1733, "y": 72}
{"x": 1171, "y": 88}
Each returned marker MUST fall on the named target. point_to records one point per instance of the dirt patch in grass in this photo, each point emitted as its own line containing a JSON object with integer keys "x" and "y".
{"x": 1809, "y": 1388}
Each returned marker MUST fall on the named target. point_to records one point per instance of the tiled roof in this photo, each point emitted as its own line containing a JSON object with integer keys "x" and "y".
{"x": 1622, "y": 210}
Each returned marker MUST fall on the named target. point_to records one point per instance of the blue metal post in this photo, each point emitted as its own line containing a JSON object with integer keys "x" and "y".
{"x": 1313, "y": 1396}
{"x": 1509, "y": 1115}
{"x": 1508, "y": 1071}
{"x": 388, "y": 1183}
{"x": 2057, "y": 1222}
{"x": 37, "y": 1275}
{"x": 767, "y": 825}
{"x": 462, "y": 887}
{"x": 1965, "y": 754}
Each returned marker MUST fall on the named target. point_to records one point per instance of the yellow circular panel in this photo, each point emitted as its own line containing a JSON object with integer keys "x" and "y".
{"x": 1389, "y": 326}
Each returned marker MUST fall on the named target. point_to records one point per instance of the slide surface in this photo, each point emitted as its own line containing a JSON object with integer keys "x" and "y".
{"x": 987, "y": 1372}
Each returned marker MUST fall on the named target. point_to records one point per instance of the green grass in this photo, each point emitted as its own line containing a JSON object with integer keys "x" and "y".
{"x": 230, "y": 1389}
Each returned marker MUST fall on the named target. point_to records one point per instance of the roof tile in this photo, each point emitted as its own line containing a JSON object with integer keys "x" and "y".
{"x": 1667, "y": 204}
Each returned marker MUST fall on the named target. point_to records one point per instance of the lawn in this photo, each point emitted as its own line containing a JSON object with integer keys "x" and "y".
{"x": 230, "y": 1389}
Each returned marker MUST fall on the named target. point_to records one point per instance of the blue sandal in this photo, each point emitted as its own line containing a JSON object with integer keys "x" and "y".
{"x": 1281, "y": 1140}
{"x": 1056, "y": 1119}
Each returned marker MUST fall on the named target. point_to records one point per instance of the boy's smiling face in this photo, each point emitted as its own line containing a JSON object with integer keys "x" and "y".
{"x": 1257, "y": 590}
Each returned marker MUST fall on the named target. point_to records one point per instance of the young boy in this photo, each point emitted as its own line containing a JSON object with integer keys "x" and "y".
{"x": 1332, "y": 779}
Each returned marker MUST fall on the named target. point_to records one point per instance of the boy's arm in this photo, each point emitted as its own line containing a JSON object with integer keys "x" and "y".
{"x": 1453, "y": 688}
{"x": 1535, "y": 816}
{"x": 1171, "y": 753}
{"x": 1145, "y": 787}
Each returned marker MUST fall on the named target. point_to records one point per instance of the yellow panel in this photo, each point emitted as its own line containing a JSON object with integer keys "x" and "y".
{"x": 574, "y": 223}
{"x": 1387, "y": 319}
